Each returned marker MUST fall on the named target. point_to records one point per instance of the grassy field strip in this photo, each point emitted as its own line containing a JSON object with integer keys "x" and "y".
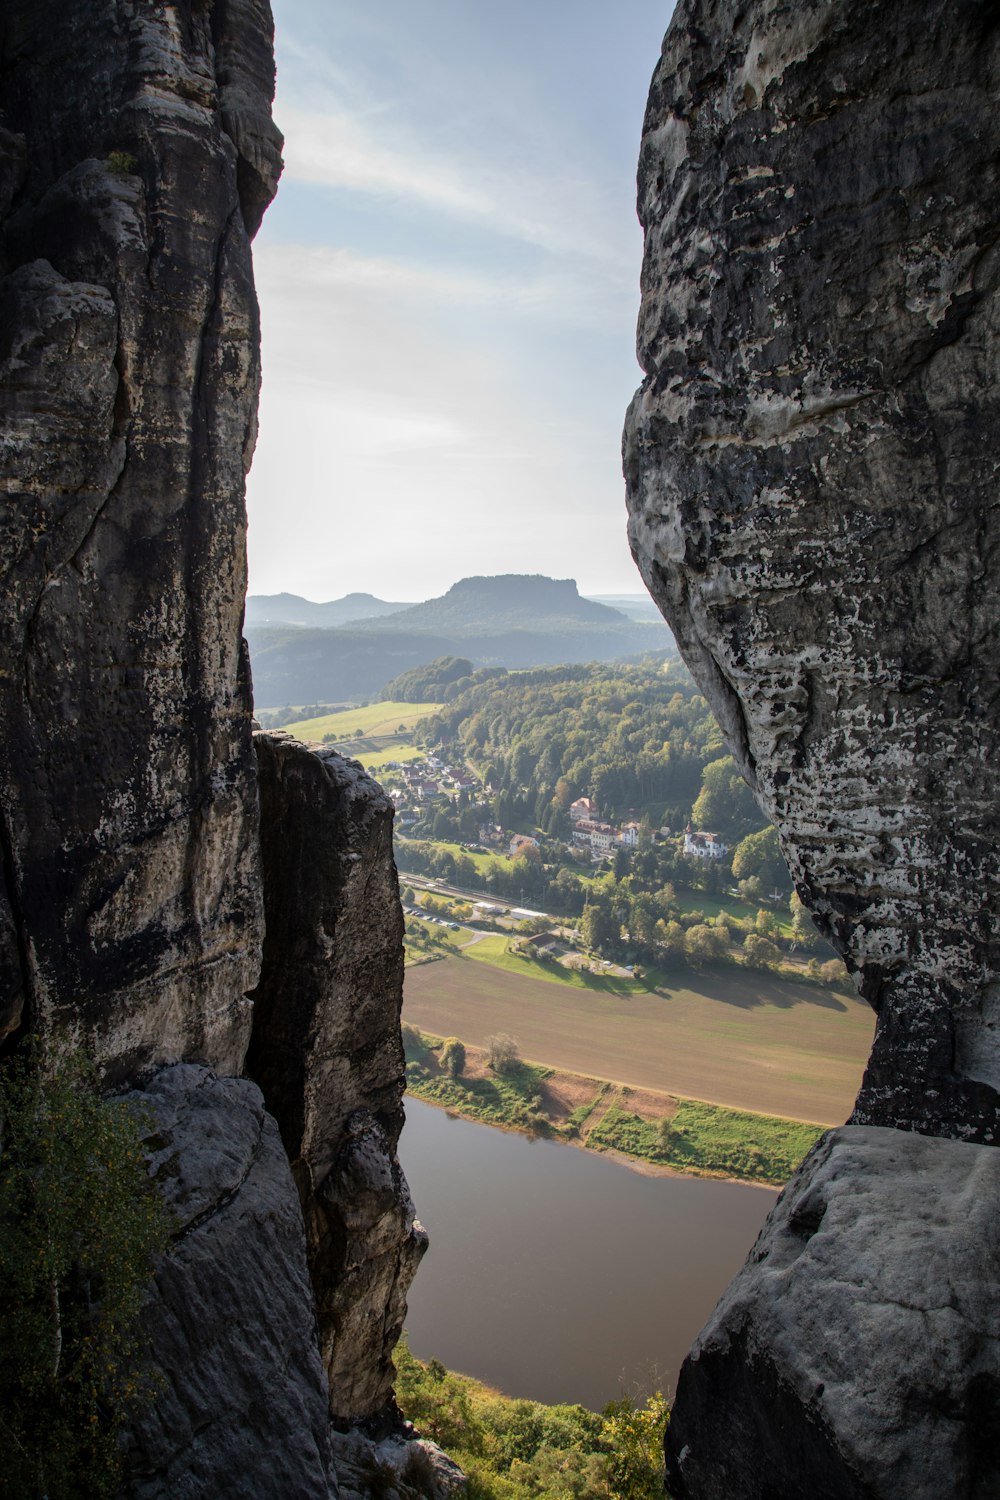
{"x": 493, "y": 950}
{"x": 662, "y": 1130}
{"x": 748, "y": 1042}
{"x": 376, "y": 719}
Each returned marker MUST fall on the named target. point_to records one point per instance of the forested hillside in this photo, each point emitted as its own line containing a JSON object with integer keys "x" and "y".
{"x": 636, "y": 738}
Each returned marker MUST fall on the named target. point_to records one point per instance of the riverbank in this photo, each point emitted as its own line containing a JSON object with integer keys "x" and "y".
{"x": 519, "y": 1450}
{"x": 652, "y": 1132}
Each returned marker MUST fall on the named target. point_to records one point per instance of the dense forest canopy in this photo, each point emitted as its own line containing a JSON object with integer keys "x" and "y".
{"x": 637, "y": 738}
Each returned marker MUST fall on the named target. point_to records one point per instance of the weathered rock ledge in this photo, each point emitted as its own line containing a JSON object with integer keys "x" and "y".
{"x": 137, "y": 156}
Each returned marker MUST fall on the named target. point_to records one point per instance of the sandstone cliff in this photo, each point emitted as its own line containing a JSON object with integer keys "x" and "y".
{"x": 327, "y": 1051}
{"x": 812, "y": 500}
{"x": 137, "y": 156}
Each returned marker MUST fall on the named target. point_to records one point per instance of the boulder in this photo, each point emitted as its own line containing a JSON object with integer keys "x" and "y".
{"x": 240, "y": 1396}
{"x": 857, "y": 1354}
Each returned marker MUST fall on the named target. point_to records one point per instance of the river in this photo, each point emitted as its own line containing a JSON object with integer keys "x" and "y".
{"x": 559, "y": 1274}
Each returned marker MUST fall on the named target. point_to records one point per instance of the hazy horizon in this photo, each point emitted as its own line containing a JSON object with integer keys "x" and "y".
{"x": 448, "y": 282}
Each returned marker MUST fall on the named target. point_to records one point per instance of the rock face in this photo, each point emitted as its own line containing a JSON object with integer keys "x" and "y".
{"x": 326, "y": 1050}
{"x": 137, "y": 158}
{"x": 812, "y": 489}
{"x": 241, "y": 1406}
{"x": 881, "y": 1256}
{"x": 812, "y": 499}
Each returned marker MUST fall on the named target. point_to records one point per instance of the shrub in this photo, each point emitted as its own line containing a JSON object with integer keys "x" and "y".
{"x": 121, "y": 163}
{"x": 502, "y": 1054}
{"x": 634, "y": 1434}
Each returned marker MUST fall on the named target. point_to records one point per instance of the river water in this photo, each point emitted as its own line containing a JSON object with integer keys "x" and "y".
{"x": 559, "y": 1274}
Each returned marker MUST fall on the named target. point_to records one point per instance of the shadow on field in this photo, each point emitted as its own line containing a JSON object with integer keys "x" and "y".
{"x": 747, "y": 993}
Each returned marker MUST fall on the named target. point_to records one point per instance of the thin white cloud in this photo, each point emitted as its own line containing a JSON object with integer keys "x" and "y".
{"x": 333, "y": 149}
{"x": 550, "y": 205}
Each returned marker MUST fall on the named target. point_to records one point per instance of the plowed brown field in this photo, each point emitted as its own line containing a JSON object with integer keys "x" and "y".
{"x": 751, "y": 1042}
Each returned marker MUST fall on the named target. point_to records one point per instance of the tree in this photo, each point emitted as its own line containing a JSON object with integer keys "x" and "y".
{"x": 759, "y": 854}
{"x": 704, "y": 944}
{"x": 598, "y": 929}
{"x": 670, "y": 937}
{"x": 725, "y": 803}
{"x": 634, "y": 1436}
{"x": 766, "y": 924}
{"x": 833, "y": 971}
{"x": 502, "y": 1054}
{"x": 759, "y": 952}
{"x": 453, "y": 1057}
{"x": 803, "y": 930}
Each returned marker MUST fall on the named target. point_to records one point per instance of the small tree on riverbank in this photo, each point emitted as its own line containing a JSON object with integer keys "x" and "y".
{"x": 453, "y": 1057}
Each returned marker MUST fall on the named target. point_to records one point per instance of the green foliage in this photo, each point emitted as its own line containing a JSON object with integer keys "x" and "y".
{"x": 704, "y": 944}
{"x": 632, "y": 736}
{"x": 415, "y": 1045}
{"x": 598, "y": 929}
{"x": 710, "y": 1139}
{"x": 427, "y": 684}
{"x": 512, "y": 1098}
{"x": 523, "y": 1450}
{"x": 121, "y": 163}
{"x": 759, "y": 952}
{"x": 79, "y": 1225}
{"x": 634, "y": 1435}
{"x": 725, "y": 803}
{"x": 760, "y": 855}
{"x": 502, "y": 1053}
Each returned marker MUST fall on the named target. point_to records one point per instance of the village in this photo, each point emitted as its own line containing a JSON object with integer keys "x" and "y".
{"x": 418, "y": 788}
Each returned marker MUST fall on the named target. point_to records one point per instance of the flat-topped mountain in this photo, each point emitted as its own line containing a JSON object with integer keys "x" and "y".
{"x": 512, "y": 620}
{"x": 509, "y": 601}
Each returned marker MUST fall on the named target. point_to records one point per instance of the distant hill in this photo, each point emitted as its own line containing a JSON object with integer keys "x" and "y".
{"x": 291, "y": 609}
{"x": 636, "y": 606}
{"x": 516, "y": 620}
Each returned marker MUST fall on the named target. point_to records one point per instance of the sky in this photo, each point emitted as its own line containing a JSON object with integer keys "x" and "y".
{"x": 448, "y": 282}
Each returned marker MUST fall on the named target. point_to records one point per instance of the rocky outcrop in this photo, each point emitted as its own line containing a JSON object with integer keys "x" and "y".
{"x": 812, "y": 490}
{"x": 394, "y": 1467}
{"x": 240, "y": 1398}
{"x": 137, "y": 158}
{"x": 881, "y": 1257}
{"x": 812, "y": 502}
{"x": 326, "y": 1050}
